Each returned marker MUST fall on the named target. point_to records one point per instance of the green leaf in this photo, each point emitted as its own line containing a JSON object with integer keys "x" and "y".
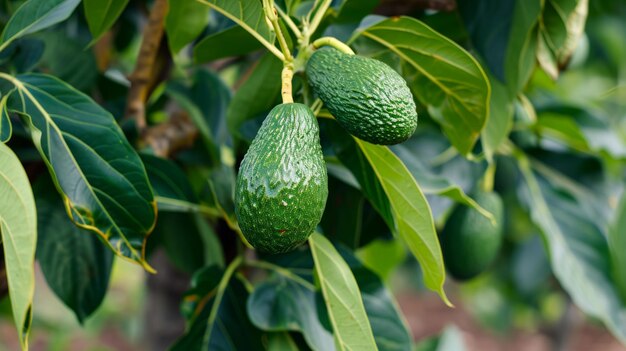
{"x": 352, "y": 157}
{"x": 80, "y": 142}
{"x": 341, "y": 293}
{"x": 281, "y": 342}
{"x": 580, "y": 129}
{"x": 247, "y": 14}
{"x": 216, "y": 304}
{"x": 178, "y": 234}
{"x": 234, "y": 41}
{"x": 561, "y": 26}
{"x": 67, "y": 59}
{"x": 6, "y": 128}
{"x": 411, "y": 212}
{"x": 451, "y": 339}
{"x": 389, "y": 329}
{"x": 102, "y": 14}
{"x": 431, "y": 183}
{"x": 284, "y": 303}
{"x": 617, "y": 243}
{"x": 76, "y": 265}
{"x": 18, "y": 227}
{"x": 171, "y": 186}
{"x": 185, "y": 20}
{"x": 579, "y": 252}
{"x": 445, "y": 78}
{"x": 257, "y": 95}
{"x": 35, "y": 15}
{"x": 500, "y": 121}
{"x": 505, "y": 34}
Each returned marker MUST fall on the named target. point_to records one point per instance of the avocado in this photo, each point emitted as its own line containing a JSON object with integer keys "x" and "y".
{"x": 282, "y": 183}
{"x": 470, "y": 241}
{"x": 367, "y": 97}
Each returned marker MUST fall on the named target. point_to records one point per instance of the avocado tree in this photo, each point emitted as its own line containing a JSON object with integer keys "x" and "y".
{"x": 272, "y": 150}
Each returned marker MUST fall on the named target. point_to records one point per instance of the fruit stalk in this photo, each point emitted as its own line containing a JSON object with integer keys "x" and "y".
{"x": 286, "y": 77}
{"x": 332, "y": 42}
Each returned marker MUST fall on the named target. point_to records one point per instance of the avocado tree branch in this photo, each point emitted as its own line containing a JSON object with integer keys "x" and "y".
{"x": 294, "y": 28}
{"x": 144, "y": 72}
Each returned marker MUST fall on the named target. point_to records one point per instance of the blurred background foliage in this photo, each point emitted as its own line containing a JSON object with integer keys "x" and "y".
{"x": 573, "y": 128}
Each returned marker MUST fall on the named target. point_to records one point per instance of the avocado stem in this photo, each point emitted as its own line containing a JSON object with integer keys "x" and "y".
{"x": 488, "y": 178}
{"x": 286, "y": 77}
{"x": 272, "y": 17}
{"x": 333, "y": 42}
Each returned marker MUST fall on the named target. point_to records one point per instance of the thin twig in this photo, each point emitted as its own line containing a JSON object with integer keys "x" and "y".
{"x": 317, "y": 19}
{"x": 290, "y": 23}
{"x": 145, "y": 67}
{"x": 270, "y": 13}
{"x": 250, "y": 30}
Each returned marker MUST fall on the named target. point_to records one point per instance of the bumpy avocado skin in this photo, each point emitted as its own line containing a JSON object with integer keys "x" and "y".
{"x": 282, "y": 183}
{"x": 469, "y": 241}
{"x": 367, "y": 97}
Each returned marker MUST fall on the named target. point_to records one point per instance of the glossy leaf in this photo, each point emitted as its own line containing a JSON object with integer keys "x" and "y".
{"x": 247, "y": 14}
{"x": 216, "y": 305}
{"x": 80, "y": 142}
{"x": 390, "y": 331}
{"x": 579, "y": 252}
{"x": 178, "y": 234}
{"x": 171, "y": 186}
{"x": 257, "y": 95}
{"x": 68, "y": 60}
{"x": 281, "y": 342}
{"x": 6, "y": 128}
{"x": 35, "y": 15}
{"x": 288, "y": 303}
{"x": 343, "y": 214}
{"x": 411, "y": 212}
{"x": 186, "y": 19}
{"x": 233, "y": 41}
{"x": 617, "y": 243}
{"x": 76, "y": 264}
{"x": 563, "y": 23}
{"x": 500, "y": 121}
{"x": 431, "y": 183}
{"x": 18, "y": 227}
{"x": 445, "y": 78}
{"x": 350, "y": 154}
{"x": 580, "y": 129}
{"x": 341, "y": 293}
{"x": 102, "y": 14}
{"x": 505, "y": 34}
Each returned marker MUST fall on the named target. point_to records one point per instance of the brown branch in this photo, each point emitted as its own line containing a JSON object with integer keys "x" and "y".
{"x": 167, "y": 138}
{"x": 143, "y": 76}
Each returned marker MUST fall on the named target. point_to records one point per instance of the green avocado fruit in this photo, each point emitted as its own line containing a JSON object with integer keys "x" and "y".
{"x": 470, "y": 241}
{"x": 282, "y": 183}
{"x": 366, "y": 96}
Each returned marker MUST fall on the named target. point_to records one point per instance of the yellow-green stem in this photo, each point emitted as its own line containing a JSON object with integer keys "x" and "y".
{"x": 294, "y": 28}
{"x": 270, "y": 13}
{"x": 333, "y": 42}
{"x": 286, "y": 77}
{"x": 488, "y": 178}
